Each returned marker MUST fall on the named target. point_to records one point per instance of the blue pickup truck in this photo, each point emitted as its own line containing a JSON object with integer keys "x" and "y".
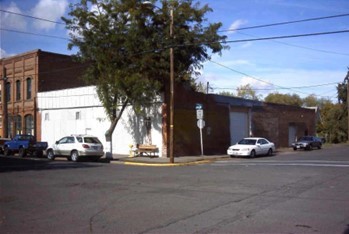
{"x": 24, "y": 145}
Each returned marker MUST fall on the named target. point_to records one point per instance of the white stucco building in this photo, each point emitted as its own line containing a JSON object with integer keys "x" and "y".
{"x": 79, "y": 111}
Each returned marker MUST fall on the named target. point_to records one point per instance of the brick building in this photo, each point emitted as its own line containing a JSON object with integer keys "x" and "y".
{"x": 26, "y": 75}
{"x": 228, "y": 119}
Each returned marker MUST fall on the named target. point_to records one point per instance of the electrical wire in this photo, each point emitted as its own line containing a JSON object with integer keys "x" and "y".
{"x": 286, "y": 22}
{"x": 298, "y": 46}
{"x": 263, "y": 81}
{"x": 34, "y": 34}
{"x": 33, "y": 17}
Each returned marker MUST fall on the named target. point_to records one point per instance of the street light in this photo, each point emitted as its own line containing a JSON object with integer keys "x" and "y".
{"x": 171, "y": 82}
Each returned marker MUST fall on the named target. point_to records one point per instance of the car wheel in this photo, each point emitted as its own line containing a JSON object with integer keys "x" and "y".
{"x": 50, "y": 155}
{"x": 74, "y": 156}
{"x": 7, "y": 152}
{"x": 22, "y": 152}
{"x": 253, "y": 154}
{"x": 270, "y": 152}
{"x": 319, "y": 147}
{"x": 294, "y": 148}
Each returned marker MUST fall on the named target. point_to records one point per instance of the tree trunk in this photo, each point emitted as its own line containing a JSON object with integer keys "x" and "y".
{"x": 114, "y": 122}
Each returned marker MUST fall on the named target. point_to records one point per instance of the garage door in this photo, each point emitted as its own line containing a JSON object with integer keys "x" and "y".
{"x": 238, "y": 126}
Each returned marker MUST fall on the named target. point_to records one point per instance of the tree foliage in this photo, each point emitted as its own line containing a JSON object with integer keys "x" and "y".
{"x": 289, "y": 99}
{"x": 246, "y": 91}
{"x": 333, "y": 123}
{"x": 126, "y": 42}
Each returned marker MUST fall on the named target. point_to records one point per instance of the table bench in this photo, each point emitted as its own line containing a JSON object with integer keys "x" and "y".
{"x": 149, "y": 150}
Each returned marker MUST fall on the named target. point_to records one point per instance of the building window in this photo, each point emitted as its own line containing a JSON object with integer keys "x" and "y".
{"x": 18, "y": 124}
{"x": 8, "y": 91}
{"x": 77, "y": 115}
{"x": 29, "y": 124}
{"x": 29, "y": 88}
{"x": 18, "y": 90}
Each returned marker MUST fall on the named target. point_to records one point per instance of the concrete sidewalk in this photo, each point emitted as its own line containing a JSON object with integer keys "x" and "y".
{"x": 178, "y": 161}
{"x": 163, "y": 161}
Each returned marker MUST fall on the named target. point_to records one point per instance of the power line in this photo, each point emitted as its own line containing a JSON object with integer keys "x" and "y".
{"x": 33, "y": 17}
{"x": 297, "y": 46}
{"x": 296, "y": 87}
{"x": 286, "y": 22}
{"x": 286, "y": 36}
{"x": 255, "y": 78}
{"x": 34, "y": 34}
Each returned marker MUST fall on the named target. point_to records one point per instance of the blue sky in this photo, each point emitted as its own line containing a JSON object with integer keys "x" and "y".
{"x": 302, "y": 65}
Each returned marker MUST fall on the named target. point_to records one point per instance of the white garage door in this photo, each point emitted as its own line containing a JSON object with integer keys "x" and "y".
{"x": 238, "y": 126}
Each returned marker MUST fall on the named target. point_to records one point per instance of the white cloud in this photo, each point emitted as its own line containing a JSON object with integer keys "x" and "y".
{"x": 238, "y": 62}
{"x": 12, "y": 21}
{"x": 236, "y": 24}
{"x": 4, "y": 54}
{"x": 261, "y": 86}
{"x": 51, "y": 10}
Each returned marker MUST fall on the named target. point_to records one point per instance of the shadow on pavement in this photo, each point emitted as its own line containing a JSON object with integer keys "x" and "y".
{"x": 8, "y": 164}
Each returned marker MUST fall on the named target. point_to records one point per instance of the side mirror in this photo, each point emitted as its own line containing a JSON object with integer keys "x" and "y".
{"x": 56, "y": 142}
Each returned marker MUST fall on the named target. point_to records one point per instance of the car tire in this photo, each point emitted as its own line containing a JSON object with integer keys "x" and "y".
{"x": 50, "y": 155}
{"x": 22, "y": 152}
{"x": 270, "y": 152}
{"x": 253, "y": 154}
{"x": 294, "y": 148}
{"x": 74, "y": 156}
{"x": 319, "y": 147}
{"x": 7, "y": 152}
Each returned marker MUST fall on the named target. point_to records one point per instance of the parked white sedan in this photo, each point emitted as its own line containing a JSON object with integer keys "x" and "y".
{"x": 251, "y": 147}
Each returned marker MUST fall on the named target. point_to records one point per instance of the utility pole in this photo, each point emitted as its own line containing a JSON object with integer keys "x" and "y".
{"x": 4, "y": 103}
{"x": 347, "y": 79}
{"x": 171, "y": 87}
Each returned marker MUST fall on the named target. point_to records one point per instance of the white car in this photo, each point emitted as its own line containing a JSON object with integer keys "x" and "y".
{"x": 251, "y": 147}
{"x": 75, "y": 147}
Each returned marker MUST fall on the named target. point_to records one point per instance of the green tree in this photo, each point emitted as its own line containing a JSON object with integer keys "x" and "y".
{"x": 288, "y": 99}
{"x": 312, "y": 100}
{"x": 227, "y": 93}
{"x": 126, "y": 42}
{"x": 246, "y": 91}
{"x": 333, "y": 123}
{"x": 342, "y": 92}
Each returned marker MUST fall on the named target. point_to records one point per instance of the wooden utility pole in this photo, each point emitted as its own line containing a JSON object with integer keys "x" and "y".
{"x": 171, "y": 89}
{"x": 347, "y": 79}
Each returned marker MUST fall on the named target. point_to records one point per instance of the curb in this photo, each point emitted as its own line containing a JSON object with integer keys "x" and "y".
{"x": 163, "y": 164}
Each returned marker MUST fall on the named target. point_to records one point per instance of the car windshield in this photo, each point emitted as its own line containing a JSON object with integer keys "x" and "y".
{"x": 305, "y": 139}
{"x": 93, "y": 140}
{"x": 247, "y": 142}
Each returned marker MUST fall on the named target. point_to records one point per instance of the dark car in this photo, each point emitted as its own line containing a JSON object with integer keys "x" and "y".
{"x": 307, "y": 143}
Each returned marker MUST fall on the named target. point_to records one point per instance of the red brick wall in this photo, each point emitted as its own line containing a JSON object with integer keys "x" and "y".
{"x": 267, "y": 120}
{"x": 272, "y": 121}
{"x": 58, "y": 71}
{"x": 48, "y": 71}
{"x": 216, "y": 136}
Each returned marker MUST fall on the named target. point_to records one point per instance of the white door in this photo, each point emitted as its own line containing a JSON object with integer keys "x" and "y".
{"x": 239, "y": 126}
{"x": 292, "y": 131}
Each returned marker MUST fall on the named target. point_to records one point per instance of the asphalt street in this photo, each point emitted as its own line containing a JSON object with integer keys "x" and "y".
{"x": 292, "y": 192}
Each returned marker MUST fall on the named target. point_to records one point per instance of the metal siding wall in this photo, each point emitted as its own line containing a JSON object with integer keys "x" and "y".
{"x": 61, "y": 107}
{"x": 239, "y": 126}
